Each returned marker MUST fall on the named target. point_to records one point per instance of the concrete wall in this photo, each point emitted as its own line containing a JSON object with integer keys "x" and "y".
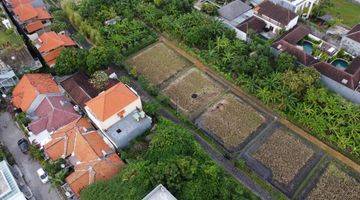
{"x": 350, "y": 46}
{"x": 292, "y": 23}
{"x": 342, "y": 90}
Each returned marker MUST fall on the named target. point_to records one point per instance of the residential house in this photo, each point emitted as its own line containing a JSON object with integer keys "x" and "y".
{"x": 32, "y": 89}
{"x": 8, "y": 78}
{"x": 297, "y": 6}
{"x": 30, "y": 18}
{"x": 159, "y": 193}
{"x": 275, "y": 17}
{"x": 253, "y": 24}
{"x": 118, "y": 113}
{"x": 50, "y": 45}
{"x": 9, "y": 189}
{"x": 84, "y": 148}
{"x": 52, "y": 113}
{"x": 345, "y": 81}
{"x": 235, "y": 12}
{"x": 351, "y": 41}
{"x": 79, "y": 88}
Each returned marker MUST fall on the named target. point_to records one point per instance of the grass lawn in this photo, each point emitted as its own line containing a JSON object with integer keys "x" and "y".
{"x": 193, "y": 90}
{"x": 158, "y": 63}
{"x": 9, "y": 39}
{"x": 232, "y": 120}
{"x": 348, "y": 12}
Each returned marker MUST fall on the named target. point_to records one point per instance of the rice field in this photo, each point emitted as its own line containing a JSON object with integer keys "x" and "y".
{"x": 193, "y": 90}
{"x": 231, "y": 120}
{"x": 284, "y": 155}
{"x": 158, "y": 63}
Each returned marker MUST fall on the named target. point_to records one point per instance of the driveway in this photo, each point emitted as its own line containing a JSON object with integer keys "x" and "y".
{"x": 9, "y": 135}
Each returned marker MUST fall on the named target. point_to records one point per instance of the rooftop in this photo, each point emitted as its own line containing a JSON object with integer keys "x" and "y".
{"x": 9, "y": 189}
{"x": 52, "y": 113}
{"x": 30, "y": 86}
{"x": 159, "y": 193}
{"x": 233, "y": 10}
{"x": 275, "y": 12}
{"x": 50, "y": 40}
{"x": 253, "y": 23}
{"x": 26, "y": 12}
{"x": 354, "y": 33}
{"x": 111, "y": 101}
{"x": 34, "y": 26}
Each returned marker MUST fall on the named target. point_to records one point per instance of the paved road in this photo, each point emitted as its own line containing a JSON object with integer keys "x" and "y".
{"x": 9, "y": 135}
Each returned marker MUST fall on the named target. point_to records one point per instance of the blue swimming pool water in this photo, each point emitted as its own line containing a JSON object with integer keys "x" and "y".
{"x": 308, "y": 47}
{"x": 340, "y": 63}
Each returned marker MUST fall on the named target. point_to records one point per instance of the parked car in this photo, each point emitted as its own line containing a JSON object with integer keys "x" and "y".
{"x": 42, "y": 175}
{"x": 23, "y": 145}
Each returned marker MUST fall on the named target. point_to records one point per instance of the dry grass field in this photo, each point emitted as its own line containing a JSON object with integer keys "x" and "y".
{"x": 335, "y": 184}
{"x": 284, "y": 155}
{"x": 232, "y": 120}
{"x": 158, "y": 63}
{"x": 193, "y": 90}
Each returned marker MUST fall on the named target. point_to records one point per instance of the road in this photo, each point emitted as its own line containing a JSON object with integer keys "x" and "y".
{"x": 9, "y": 135}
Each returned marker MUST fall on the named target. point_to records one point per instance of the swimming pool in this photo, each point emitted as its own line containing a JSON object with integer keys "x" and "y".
{"x": 308, "y": 47}
{"x": 340, "y": 63}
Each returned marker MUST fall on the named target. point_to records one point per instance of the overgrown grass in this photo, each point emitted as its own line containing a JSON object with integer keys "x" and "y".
{"x": 347, "y": 11}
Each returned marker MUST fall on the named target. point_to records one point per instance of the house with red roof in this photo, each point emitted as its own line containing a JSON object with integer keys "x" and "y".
{"x": 53, "y": 113}
{"x": 50, "y": 45}
{"x": 31, "y": 18}
{"x": 118, "y": 113}
{"x": 91, "y": 155}
{"x": 351, "y": 41}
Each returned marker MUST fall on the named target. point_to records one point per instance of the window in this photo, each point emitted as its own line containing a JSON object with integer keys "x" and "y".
{"x": 118, "y": 130}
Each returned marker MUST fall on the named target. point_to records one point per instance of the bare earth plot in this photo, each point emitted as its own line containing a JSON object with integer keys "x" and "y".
{"x": 193, "y": 90}
{"x": 158, "y": 63}
{"x": 231, "y": 120}
{"x": 335, "y": 184}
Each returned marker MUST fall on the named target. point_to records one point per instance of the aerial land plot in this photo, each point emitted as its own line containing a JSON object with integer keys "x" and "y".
{"x": 284, "y": 155}
{"x": 193, "y": 90}
{"x": 335, "y": 184}
{"x": 158, "y": 63}
{"x": 231, "y": 120}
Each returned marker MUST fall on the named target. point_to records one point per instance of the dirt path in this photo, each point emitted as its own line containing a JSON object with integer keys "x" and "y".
{"x": 255, "y": 102}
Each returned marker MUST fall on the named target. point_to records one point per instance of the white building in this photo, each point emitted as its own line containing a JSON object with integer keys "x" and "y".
{"x": 9, "y": 189}
{"x": 351, "y": 41}
{"x": 276, "y": 17}
{"x": 117, "y": 112}
{"x": 298, "y": 6}
{"x": 8, "y": 78}
{"x": 159, "y": 193}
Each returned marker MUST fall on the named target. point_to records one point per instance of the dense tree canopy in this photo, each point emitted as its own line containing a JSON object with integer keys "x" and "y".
{"x": 175, "y": 160}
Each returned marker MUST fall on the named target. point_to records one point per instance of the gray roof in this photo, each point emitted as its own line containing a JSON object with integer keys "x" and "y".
{"x": 159, "y": 193}
{"x": 129, "y": 129}
{"x": 233, "y": 10}
{"x": 9, "y": 189}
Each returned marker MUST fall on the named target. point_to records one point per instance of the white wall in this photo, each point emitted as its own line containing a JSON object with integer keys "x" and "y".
{"x": 41, "y": 138}
{"x": 350, "y": 46}
{"x": 292, "y": 23}
{"x": 114, "y": 118}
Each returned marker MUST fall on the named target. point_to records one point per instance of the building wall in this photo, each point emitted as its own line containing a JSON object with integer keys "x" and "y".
{"x": 115, "y": 118}
{"x": 350, "y": 46}
{"x": 347, "y": 93}
{"x": 292, "y": 23}
{"x": 41, "y": 138}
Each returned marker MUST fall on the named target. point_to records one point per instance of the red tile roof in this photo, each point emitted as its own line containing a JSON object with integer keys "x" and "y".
{"x": 15, "y": 3}
{"x": 51, "y": 40}
{"x": 30, "y": 86}
{"x": 111, "y": 101}
{"x": 275, "y": 12}
{"x": 354, "y": 33}
{"x": 25, "y": 12}
{"x": 42, "y": 14}
{"x": 253, "y": 23}
{"x": 53, "y": 113}
{"x": 50, "y": 57}
{"x": 34, "y": 26}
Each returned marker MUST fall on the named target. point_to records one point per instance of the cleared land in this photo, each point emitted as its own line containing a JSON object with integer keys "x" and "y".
{"x": 347, "y": 11}
{"x": 284, "y": 155}
{"x": 231, "y": 120}
{"x": 335, "y": 184}
{"x": 158, "y": 63}
{"x": 193, "y": 90}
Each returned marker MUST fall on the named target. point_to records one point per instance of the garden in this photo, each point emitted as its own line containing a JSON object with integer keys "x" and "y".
{"x": 158, "y": 63}
{"x": 335, "y": 183}
{"x": 231, "y": 120}
{"x": 193, "y": 90}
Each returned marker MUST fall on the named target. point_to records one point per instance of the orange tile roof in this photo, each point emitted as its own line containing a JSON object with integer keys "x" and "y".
{"x": 15, "y": 3}
{"x": 111, "y": 101}
{"x": 51, "y": 40}
{"x": 34, "y": 26}
{"x": 86, "y": 174}
{"x": 42, "y": 14}
{"x": 30, "y": 86}
{"x": 52, "y": 55}
{"x": 25, "y": 12}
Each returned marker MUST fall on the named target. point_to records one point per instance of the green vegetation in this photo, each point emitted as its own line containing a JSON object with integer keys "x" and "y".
{"x": 6, "y": 155}
{"x": 176, "y": 160}
{"x": 9, "y": 39}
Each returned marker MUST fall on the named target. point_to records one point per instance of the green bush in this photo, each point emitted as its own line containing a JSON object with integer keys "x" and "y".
{"x": 22, "y": 119}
